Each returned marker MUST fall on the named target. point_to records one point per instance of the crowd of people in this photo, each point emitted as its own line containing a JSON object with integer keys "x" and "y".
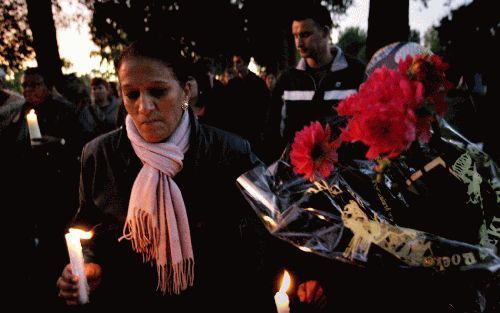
{"x": 150, "y": 167}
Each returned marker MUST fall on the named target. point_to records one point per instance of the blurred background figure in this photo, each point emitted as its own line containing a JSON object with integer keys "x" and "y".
{"x": 228, "y": 74}
{"x": 207, "y": 93}
{"x": 76, "y": 91}
{"x": 323, "y": 77}
{"x": 194, "y": 103}
{"x": 114, "y": 90}
{"x": 101, "y": 115}
{"x": 270, "y": 80}
{"x": 10, "y": 104}
{"x": 246, "y": 102}
{"x": 41, "y": 194}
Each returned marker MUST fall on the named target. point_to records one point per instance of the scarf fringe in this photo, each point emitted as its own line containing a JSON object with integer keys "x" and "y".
{"x": 144, "y": 238}
{"x": 143, "y": 235}
{"x": 174, "y": 278}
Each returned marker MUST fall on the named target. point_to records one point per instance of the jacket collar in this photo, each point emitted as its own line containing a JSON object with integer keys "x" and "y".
{"x": 339, "y": 63}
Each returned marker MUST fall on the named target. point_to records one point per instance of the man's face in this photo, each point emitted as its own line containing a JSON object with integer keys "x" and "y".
{"x": 99, "y": 92}
{"x": 34, "y": 89}
{"x": 310, "y": 40}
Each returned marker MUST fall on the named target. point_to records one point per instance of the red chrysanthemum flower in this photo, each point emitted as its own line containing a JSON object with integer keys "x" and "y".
{"x": 382, "y": 113}
{"x": 313, "y": 153}
{"x": 423, "y": 126}
{"x": 386, "y": 130}
{"x": 430, "y": 71}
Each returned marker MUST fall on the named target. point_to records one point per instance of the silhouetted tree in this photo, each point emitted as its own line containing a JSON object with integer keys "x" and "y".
{"x": 470, "y": 40}
{"x": 353, "y": 41}
{"x": 45, "y": 45}
{"x": 16, "y": 43}
{"x": 387, "y": 22}
{"x": 27, "y": 29}
{"x": 414, "y": 36}
{"x": 222, "y": 26}
{"x": 230, "y": 25}
{"x": 431, "y": 40}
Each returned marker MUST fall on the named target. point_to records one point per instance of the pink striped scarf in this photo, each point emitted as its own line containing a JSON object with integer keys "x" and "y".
{"x": 157, "y": 223}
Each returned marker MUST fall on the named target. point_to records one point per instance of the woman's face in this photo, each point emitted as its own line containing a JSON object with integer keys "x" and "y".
{"x": 152, "y": 96}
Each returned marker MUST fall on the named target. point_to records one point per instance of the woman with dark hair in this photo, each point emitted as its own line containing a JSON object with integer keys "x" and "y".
{"x": 170, "y": 227}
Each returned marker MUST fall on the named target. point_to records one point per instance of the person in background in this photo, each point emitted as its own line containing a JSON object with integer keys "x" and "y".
{"x": 227, "y": 75}
{"x": 245, "y": 107}
{"x": 270, "y": 80}
{"x": 114, "y": 90}
{"x": 76, "y": 91}
{"x": 208, "y": 94}
{"x": 322, "y": 78}
{"x": 11, "y": 104}
{"x": 41, "y": 183}
{"x": 194, "y": 103}
{"x": 101, "y": 115}
{"x": 171, "y": 230}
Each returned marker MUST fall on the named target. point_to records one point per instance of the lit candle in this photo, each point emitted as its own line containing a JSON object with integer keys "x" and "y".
{"x": 76, "y": 260}
{"x": 281, "y": 298}
{"x": 33, "y": 128}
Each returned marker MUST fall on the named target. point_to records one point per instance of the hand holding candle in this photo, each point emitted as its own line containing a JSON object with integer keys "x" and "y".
{"x": 281, "y": 298}
{"x": 33, "y": 128}
{"x": 76, "y": 260}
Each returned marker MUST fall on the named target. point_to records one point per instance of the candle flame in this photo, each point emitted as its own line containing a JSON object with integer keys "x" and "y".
{"x": 285, "y": 282}
{"x": 80, "y": 233}
{"x": 32, "y": 112}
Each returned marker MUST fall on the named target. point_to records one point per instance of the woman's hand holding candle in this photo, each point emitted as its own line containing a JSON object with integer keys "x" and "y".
{"x": 68, "y": 283}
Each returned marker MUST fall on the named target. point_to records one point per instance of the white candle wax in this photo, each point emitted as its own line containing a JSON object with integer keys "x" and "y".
{"x": 281, "y": 298}
{"x": 77, "y": 264}
{"x": 33, "y": 127}
{"x": 282, "y": 302}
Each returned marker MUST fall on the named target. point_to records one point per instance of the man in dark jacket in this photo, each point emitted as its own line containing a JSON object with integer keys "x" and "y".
{"x": 323, "y": 77}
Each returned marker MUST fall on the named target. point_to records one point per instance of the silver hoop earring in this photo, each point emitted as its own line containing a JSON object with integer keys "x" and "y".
{"x": 185, "y": 105}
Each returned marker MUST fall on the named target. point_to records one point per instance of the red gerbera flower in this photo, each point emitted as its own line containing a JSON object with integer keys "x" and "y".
{"x": 313, "y": 154}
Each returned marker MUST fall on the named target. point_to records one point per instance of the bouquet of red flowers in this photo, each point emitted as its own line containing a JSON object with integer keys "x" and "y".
{"x": 423, "y": 196}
